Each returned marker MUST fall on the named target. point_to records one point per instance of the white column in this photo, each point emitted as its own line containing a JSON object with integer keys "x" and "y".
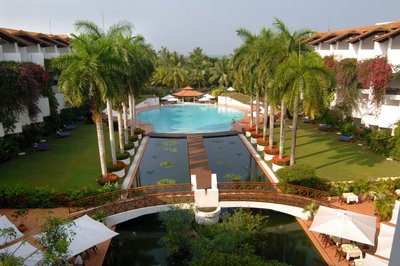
{"x": 38, "y": 47}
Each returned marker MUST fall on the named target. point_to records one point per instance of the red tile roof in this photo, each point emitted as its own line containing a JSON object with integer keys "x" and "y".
{"x": 188, "y": 92}
{"x": 28, "y": 38}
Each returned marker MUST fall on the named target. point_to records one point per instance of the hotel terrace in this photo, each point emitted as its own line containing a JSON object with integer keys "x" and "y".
{"x": 381, "y": 39}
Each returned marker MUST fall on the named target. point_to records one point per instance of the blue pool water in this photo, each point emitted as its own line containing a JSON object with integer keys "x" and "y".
{"x": 190, "y": 118}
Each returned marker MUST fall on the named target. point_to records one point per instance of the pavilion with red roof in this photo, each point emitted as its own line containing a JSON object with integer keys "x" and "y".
{"x": 188, "y": 92}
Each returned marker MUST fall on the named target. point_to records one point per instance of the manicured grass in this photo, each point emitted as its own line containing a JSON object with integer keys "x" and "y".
{"x": 336, "y": 160}
{"x": 243, "y": 98}
{"x": 70, "y": 163}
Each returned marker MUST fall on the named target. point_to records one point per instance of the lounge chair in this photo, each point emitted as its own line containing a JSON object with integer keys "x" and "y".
{"x": 324, "y": 127}
{"x": 63, "y": 134}
{"x": 40, "y": 147}
{"x": 69, "y": 126}
{"x": 346, "y": 138}
{"x": 308, "y": 121}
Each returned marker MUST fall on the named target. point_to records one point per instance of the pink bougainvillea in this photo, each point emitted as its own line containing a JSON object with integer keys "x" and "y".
{"x": 377, "y": 74}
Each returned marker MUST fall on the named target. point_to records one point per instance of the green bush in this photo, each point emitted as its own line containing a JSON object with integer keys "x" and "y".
{"x": 129, "y": 146}
{"x": 328, "y": 118}
{"x": 381, "y": 142}
{"x": 360, "y": 185}
{"x": 8, "y": 149}
{"x": 302, "y": 175}
{"x": 123, "y": 156}
{"x": 364, "y": 134}
{"x": 133, "y": 138}
{"x": 348, "y": 128}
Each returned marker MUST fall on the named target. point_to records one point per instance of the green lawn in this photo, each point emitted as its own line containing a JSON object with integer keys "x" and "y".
{"x": 334, "y": 159}
{"x": 71, "y": 162}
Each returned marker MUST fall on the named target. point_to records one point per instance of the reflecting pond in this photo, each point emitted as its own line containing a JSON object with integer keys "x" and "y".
{"x": 164, "y": 158}
{"x": 228, "y": 155}
{"x": 139, "y": 242}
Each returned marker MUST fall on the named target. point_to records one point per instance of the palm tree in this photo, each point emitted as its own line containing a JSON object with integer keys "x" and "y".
{"x": 176, "y": 73}
{"x": 221, "y": 72}
{"x": 306, "y": 76}
{"x": 85, "y": 78}
{"x": 199, "y": 67}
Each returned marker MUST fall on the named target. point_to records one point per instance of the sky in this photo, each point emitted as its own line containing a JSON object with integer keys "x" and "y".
{"x": 182, "y": 25}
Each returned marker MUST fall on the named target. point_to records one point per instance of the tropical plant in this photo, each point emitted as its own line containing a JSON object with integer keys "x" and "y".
{"x": 198, "y": 67}
{"x": 221, "y": 72}
{"x": 21, "y": 216}
{"x": 99, "y": 215}
{"x": 312, "y": 209}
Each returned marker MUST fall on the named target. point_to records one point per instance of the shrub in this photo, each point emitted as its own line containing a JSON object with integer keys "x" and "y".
{"x": 395, "y": 152}
{"x": 133, "y": 138}
{"x": 381, "y": 142}
{"x": 364, "y": 134}
{"x": 123, "y": 156}
{"x": 138, "y": 131}
{"x": 262, "y": 142}
{"x": 256, "y": 135}
{"x": 348, "y": 128}
{"x": 360, "y": 185}
{"x": 302, "y": 175}
{"x": 129, "y": 146}
{"x": 8, "y": 149}
{"x": 281, "y": 162}
{"x": 328, "y": 118}
{"x": 273, "y": 151}
{"x": 115, "y": 167}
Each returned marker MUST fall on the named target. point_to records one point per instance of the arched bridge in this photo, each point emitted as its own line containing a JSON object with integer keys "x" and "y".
{"x": 160, "y": 195}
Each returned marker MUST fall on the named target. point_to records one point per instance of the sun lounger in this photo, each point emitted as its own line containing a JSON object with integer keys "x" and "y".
{"x": 323, "y": 127}
{"x": 63, "y": 134}
{"x": 346, "y": 138}
{"x": 40, "y": 147}
{"x": 308, "y": 121}
{"x": 69, "y": 126}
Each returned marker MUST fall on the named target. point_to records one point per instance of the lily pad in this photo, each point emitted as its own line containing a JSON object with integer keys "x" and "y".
{"x": 154, "y": 156}
{"x": 150, "y": 172}
{"x": 170, "y": 143}
{"x": 166, "y": 181}
{"x": 232, "y": 177}
{"x": 217, "y": 140}
{"x": 171, "y": 149}
{"x": 167, "y": 164}
{"x": 232, "y": 142}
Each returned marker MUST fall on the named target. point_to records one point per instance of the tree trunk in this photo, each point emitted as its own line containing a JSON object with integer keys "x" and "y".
{"x": 132, "y": 112}
{"x": 257, "y": 110}
{"x": 294, "y": 129}
{"x": 100, "y": 141}
{"x": 266, "y": 109}
{"x": 271, "y": 126}
{"x": 282, "y": 130}
{"x": 251, "y": 109}
{"x": 125, "y": 117}
{"x": 121, "y": 133}
{"x": 111, "y": 131}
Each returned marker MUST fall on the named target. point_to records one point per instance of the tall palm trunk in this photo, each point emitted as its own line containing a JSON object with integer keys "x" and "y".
{"x": 294, "y": 129}
{"x": 257, "y": 110}
{"x": 282, "y": 130}
{"x": 251, "y": 109}
{"x": 265, "y": 114}
{"x": 125, "y": 117}
{"x": 271, "y": 126}
{"x": 111, "y": 131}
{"x": 120, "y": 133}
{"x": 100, "y": 141}
{"x": 132, "y": 112}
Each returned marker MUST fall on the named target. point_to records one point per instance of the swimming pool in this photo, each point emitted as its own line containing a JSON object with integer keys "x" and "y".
{"x": 190, "y": 118}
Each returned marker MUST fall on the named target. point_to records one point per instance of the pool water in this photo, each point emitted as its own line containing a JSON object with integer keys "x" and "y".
{"x": 228, "y": 155}
{"x": 139, "y": 242}
{"x": 164, "y": 158}
{"x": 190, "y": 118}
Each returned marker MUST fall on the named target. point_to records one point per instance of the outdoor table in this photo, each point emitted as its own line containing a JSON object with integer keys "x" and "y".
{"x": 352, "y": 251}
{"x": 350, "y": 197}
{"x": 338, "y": 241}
{"x": 397, "y": 191}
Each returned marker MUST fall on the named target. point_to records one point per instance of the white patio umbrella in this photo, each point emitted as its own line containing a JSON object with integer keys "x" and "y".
{"x": 385, "y": 241}
{"x": 395, "y": 212}
{"x": 230, "y": 89}
{"x": 88, "y": 233}
{"x": 204, "y": 99}
{"x": 208, "y": 96}
{"x": 370, "y": 260}
{"x": 172, "y": 99}
{"x": 345, "y": 224}
{"x": 114, "y": 113}
{"x": 31, "y": 255}
{"x": 5, "y": 223}
{"x": 166, "y": 97}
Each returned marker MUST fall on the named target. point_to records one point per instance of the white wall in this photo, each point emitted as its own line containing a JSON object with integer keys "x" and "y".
{"x": 225, "y": 100}
{"x": 149, "y": 102}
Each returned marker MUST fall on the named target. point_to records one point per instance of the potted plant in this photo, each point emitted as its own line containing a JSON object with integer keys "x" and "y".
{"x": 279, "y": 163}
{"x": 248, "y": 130}
{"x": 270, "y": 153}
{"x": 312, "y": 209}
{"x": 110, "y": 178}
{"x": 254, "y": 136}
{"x": 135, "y": 140}
{"x": 130, "y": 147}
{"x": 118, "y": 169}
{"x": 261, "y": 144}
{"x": 139, "y": 132}
{"x": 20, "y": 216}
{"x": 99, "y": 215}
{"x": 124, "y": 157}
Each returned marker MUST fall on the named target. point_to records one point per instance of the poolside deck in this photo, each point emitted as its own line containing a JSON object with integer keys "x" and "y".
{"x": 198, "y": 161}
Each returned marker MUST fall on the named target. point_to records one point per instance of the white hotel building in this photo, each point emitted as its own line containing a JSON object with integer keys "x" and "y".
{"x": 381, "y": 39}
{"x": 24, "y": 46}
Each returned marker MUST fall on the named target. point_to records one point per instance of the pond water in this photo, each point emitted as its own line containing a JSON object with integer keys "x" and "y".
{"x": 228, "y": 155}
{"x": 164, "y": 158}
{"x": 190, "y": 118}
{"x": 139, "y": 242}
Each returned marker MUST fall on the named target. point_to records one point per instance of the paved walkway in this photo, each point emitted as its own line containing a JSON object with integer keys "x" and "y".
{"x": 198, "y": 161}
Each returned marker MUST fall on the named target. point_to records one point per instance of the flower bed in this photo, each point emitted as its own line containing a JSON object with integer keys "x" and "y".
{"x": 279, "y": 163}
{"x": 109, "y": 178}
{"x": 270, "y": 153}
{"x": 255, "y": 136}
